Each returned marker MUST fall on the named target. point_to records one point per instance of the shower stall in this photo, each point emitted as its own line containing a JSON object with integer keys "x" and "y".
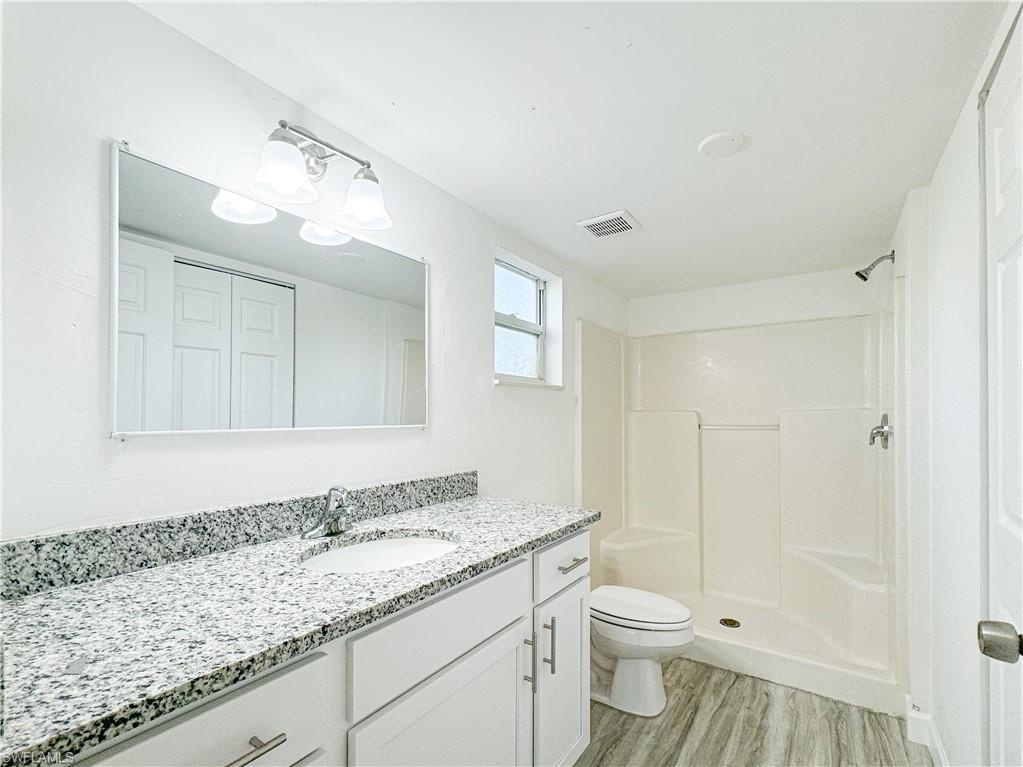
{"x": 734, "y": 470}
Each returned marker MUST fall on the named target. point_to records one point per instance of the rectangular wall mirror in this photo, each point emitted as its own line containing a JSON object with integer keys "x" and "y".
{"x": 221, "y": 324}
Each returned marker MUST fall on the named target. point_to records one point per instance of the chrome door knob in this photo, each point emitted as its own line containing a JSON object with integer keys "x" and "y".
{"x": 999, "y": 640}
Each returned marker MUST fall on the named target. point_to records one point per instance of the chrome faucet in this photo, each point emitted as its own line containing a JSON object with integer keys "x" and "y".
{"x": 884, "y": 432}
{"x": 332, "y": 521}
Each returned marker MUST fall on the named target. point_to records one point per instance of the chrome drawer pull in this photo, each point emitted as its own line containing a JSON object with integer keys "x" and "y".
{"x": 553, "y": 660}
{"x": 258, "y": 749}
{"x": 532, "y": 646}
{"x": 576, "y": 561}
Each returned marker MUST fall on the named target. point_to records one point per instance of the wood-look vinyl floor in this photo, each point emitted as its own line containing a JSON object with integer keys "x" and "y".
{"x": 718, "y": 718}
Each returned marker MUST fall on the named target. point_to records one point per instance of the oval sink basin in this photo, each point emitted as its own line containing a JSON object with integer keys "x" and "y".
{"x": 381, "y": 554}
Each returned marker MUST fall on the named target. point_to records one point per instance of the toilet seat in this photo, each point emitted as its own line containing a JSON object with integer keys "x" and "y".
{"x": 638, "y": 609}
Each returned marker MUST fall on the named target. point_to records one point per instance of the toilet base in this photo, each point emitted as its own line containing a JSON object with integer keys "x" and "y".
{"x": 636, "y": 688}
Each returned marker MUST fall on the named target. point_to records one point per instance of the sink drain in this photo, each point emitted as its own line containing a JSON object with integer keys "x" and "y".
{"x": 729, "y": 623}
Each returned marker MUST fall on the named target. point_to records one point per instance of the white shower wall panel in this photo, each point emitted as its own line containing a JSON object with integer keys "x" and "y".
{"x": 663, "y": 466}
{"x": 741, "y": 549}
{"x": 750, "y": 375}
{"x": 829, "y": 481}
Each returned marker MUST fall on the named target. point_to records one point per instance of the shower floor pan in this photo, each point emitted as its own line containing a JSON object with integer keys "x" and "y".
{"x": 772, "y": 645}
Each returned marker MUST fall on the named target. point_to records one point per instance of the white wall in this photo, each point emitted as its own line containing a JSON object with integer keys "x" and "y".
{"x": 947, "y": 533}
{"x": 600, "y": 472}
{"x": 956, "y": 508}
{"x": 815, "y": 296}
{"x": 912, "y": 444}
{"x": 340, "y": 356}
{"x": 77, "y": 75}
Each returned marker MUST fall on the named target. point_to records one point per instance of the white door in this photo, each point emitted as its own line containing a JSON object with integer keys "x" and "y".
{"x": 561, "y": 709}
{"x": 202, "y": 348}
{"x": 413, "y": 382}
{"x": 145, "y": 293}
{"x": 1003, "y": 134}
{"x": 262, "y": 354}
{"x": 474, "y": 712}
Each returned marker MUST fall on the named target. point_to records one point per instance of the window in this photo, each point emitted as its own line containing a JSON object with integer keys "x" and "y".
{"x": 520, "y": 317}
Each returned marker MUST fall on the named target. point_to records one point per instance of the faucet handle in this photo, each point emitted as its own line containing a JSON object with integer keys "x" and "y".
{"x": 336, "y": 498}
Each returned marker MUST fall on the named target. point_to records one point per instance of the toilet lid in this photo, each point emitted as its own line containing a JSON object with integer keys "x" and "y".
{"x": 629, "y": 607}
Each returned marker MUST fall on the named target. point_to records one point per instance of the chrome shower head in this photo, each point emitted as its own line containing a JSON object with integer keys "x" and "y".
{"x": 864, "y": 274}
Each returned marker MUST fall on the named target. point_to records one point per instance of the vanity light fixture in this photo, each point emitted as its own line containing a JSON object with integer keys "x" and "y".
{"x": 364, "y": 205}
{"x": 282, "y": 174}
{"x": 294, "y": 158}
{"x": 317, "y": 234}
{"x": 241, "y": 210}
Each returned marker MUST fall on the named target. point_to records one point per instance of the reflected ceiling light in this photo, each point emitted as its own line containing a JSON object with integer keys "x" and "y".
{"x": 364, "y": 205}
{"x": 241, "y": 210}
{"x": 317, "y": 234}
{"x": 293, "y": 159}
{"x": 723, "y": 144}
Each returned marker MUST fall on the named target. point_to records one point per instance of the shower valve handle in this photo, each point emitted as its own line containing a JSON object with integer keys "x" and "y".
{"x": 883, "y": 432}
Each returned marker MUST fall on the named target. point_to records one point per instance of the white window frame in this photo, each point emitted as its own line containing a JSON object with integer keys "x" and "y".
{"x": 511, "y": 322}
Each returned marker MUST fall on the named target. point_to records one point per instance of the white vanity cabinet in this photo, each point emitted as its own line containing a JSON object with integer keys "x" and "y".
{"x": 517, "y": 697}
{"x": 520, "y": 697}
{"x": 492, "y": 672}
{"x": 561, "y": 707}
{"x": 475, "y": 712}
{"x": 281, "y": 719}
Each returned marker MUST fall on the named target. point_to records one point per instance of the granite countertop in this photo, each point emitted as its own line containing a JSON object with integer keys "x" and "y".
{"x": 85, "y": 663}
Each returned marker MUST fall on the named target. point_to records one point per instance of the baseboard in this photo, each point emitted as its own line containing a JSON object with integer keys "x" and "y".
{"x": 938, "y": 753}
{"x": 873, "y": 691}
{"x": 920, "y": 728}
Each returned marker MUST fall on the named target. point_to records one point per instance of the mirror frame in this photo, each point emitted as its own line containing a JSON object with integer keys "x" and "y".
{"x": 117, "y": 148}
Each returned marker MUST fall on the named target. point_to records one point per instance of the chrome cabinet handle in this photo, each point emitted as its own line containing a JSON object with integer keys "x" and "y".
{"x": 258, "y": 749}
{"x": 576, "y": 561}
{"x": 553, "y": 660}
{"x": 532, "y": 646}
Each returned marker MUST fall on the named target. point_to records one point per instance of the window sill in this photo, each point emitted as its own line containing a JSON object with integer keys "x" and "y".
{"x": 500, "y": 380}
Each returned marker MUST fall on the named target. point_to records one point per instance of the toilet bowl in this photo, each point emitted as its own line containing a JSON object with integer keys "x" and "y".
{"x": 632, "y": 632}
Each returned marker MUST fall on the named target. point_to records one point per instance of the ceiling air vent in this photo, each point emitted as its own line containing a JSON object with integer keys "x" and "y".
{"x": 610, "y": 224}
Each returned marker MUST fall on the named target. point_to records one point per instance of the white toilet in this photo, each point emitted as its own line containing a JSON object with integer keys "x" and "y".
{"x": 632, "y": 632}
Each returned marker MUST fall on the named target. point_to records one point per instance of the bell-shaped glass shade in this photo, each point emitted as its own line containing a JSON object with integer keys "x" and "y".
{"x": 241, "y": 210}
{"x": 317, "y": 234}
{"x": 364, "y": 205}
{"x": 282, "y": 175}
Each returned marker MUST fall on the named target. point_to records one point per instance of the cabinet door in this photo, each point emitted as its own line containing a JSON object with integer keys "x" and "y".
{"x": 561, "y": 710}
{"x": 474, "y": 712}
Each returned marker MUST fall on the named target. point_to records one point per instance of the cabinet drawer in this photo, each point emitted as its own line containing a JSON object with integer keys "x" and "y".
{"x": 387, "y": 661}
{"x": 292, "y": 701}
{"x": 559, "y": 565}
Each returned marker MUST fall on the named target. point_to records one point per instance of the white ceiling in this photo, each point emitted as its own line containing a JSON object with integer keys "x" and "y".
{"x": 541, "y": 114}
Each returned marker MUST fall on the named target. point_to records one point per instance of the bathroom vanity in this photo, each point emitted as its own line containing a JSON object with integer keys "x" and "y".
{"x": 478, "y": 656}
{"x": 495, "y": 672}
